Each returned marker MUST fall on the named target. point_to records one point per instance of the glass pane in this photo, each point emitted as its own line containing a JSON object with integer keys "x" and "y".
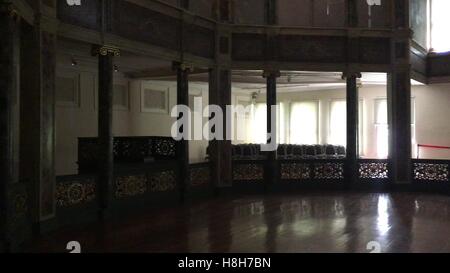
{"x": 259, "y": 124}
{"x": 381, "y": 111}
{"x": 382, "y": 141}
{"x": 304, "y": 123}
{"x": 440, "y": 40}
{"x": 338, "y": 123}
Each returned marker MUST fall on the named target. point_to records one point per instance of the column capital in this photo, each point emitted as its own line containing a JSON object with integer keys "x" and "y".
{"x": 183, "y": 66}
{"x": 8, "y": 9}
{"x": 349, "y": 74}
{"x": 271, "y": 73}
{"x": 105, "y": 50}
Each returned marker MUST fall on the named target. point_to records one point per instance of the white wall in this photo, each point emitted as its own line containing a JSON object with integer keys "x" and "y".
{"x": 81, "y": 120}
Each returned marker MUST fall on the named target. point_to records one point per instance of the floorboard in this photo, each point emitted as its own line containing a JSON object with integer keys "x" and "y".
{"x": 297, "y": 223}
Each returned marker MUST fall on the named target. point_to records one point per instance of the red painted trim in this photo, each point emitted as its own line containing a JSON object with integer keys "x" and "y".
{"x": 433, "y": 146}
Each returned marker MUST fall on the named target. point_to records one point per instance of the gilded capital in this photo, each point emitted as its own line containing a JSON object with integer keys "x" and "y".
{"x": 8, "y": 9}
{"x": 183, "y": 66}
{"x": 349, "y": 74}
{"x": 105, "y": 50}
{"x": 271, "y": 73}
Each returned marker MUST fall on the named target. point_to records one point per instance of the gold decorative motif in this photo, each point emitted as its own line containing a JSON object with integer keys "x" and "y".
{"x": 162, "y": 181}
{"x": 183, "y": 66}
{"x": 295, "y": 171}
{"x": 127, "y": 186}
{"x": 10, "y": 10}
{"x": 269, "y": 73}
{"x": 349, "y": 74}
{"x": 75, "y": 192}
{"x": 105, "y": 50}
{"x": 248, "y": 172}
{"x": 20, "y": 204}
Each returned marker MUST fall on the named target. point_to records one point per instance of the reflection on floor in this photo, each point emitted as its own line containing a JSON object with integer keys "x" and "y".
{"x": 308, "y": 222}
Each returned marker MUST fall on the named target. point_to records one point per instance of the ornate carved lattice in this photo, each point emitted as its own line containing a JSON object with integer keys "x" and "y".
{"x": 126, "y": 150}
{"x": 431, "y": 172}
{"x": 131, "y": 185}
{"x": 132, "y": 149}
{"x": 76, "y": 192}
{"x": 248, "y": 172}
{"x": 200, "y": 176}
{"x": 329, "y": 171}
{"x": 373, "y": 170}
{"x": 297, "y": 171}
{"x": 164, "y": 148}
{"x": 163, "y": 181}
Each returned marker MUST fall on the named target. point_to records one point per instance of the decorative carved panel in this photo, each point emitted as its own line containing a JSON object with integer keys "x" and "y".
{"x": 141, "y": 24}
{"x": 374, "y": 50}
{"x": 75, "y": 192}
{"x": 200, "y": 41}
{"x": 329, "y": 171}
{"x": 248, "y": 47}
{"x": 132, "y": 185}
{"x": 164, "y": 148}
{"x": 200, "y": 176}
{"x": 431, "y": 172}
{"x": 373, "y": 170}
{"x": 312, "y": 49}
{"x": 247, "y": 172}
{"x": 162, "y": 181}
{"x": 86, "y": 15}
{"x": 297, "y": 171}
{"x": 126, "y": 150}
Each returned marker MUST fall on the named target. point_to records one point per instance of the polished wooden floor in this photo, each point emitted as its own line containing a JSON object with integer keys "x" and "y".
{"x": 309, "y": 222}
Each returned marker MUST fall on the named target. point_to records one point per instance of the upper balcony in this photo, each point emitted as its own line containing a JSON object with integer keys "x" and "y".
{"x": 246, "y": 34}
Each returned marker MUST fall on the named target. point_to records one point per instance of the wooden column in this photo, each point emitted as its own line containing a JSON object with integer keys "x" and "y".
{"x": 183, "y": 145}
{"x": 105, "y": 126}
{"x": 352, "y": 128}
{"x": 37, "y": 123}
{"x": 399, "y": 118}
{"x": 271, "y": 12}
{"x": 220, "y": 150}
{"x": 7, "y": 86}
{"x": 352, "y": 13}
{"x": 399, "y": 97}
{"x": 271, "y": 170}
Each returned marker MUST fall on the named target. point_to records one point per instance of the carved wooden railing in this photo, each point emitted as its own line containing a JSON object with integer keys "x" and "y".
{"x": 312, "y": 170}
{"x": 132, "y": 182}
{"x": 143, "y": 180}
{"x": 290, "y": 171}
{"x": 373, "y": 170}
{"x": 248, "y": 171}
{"x": 431, "y": 171}
{"x": 200, "y": 175}
{"x": 127, "y": 150}
{"x": 75, "y": 191}
{"x": 76, "y": 199}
